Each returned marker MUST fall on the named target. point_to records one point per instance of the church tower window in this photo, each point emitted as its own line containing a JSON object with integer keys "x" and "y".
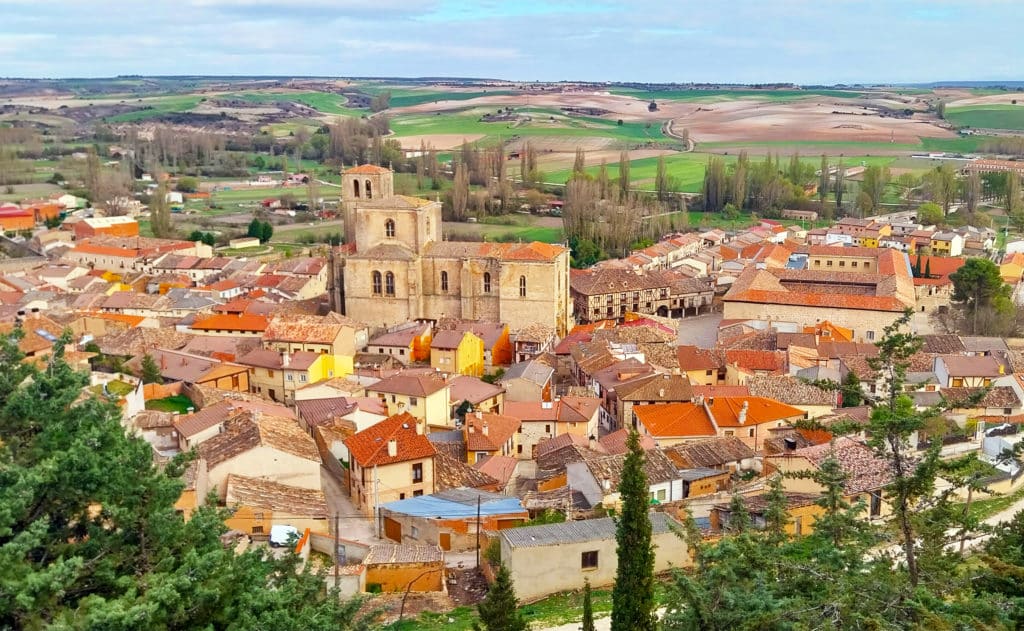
{"x": 522, "y": 287}
{"x": 376, "y": 283}
{"x": 487, "y": 282}
{"x": 389, "y": 228}
{"x": 355, "y": 188}
{"x": 444, "y": 281}
{"x": 369, "y": 190}
{"x": 389, "y": 284}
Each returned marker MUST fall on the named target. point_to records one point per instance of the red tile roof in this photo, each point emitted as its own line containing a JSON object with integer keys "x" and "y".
{"x": 370, "y": 446}
{"x": 231, "y": 322}
{"x": 367, "y": 169}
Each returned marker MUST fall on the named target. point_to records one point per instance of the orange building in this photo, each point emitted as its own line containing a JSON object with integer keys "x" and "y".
{"x": 109, "y": 226}
{"x": 45, "y": 211}
{"x": 16, "y": 220}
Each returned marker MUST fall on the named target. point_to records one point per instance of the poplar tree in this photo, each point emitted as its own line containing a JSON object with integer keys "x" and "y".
{"x": 633, "y": 595}
{"x": 623, "y": 176}
{"x": 588, "y": 607}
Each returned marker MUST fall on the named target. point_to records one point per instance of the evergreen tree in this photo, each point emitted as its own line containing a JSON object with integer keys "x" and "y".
{"x": 739, "y": 517}
{"x": 150, "y": 370}
{"x": 255, "y": 229}
{"x": 588, "y": 607}
{"x": 90, "y": 539}
{"x": 266, "y": 231}
{"x": 823, "y": 179}
{"x": 775, "y": 515}
{"x": 851, "y": 391}
{"x": 916, "y": 271}
{"x": 633, "y": 594}
{"x": 928, "y": 268}
{"x": 498, "y": 610}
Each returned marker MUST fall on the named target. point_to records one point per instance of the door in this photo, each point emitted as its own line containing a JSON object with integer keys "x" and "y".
{"x": 392, "y": 529}
{"x": 445, "y": 541}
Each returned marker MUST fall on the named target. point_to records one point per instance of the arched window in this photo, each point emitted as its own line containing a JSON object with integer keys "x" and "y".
{"x": 522, "y": 287}
{"x": 355, "y": 187}
{"x": 444, "y": 281}
{"x": 376, "y": 283}
{"x": 389, "y": 284}
{"x": 487, "y": 282}
{"x": 389, "y": 228}
{"x": 369, "y": 190}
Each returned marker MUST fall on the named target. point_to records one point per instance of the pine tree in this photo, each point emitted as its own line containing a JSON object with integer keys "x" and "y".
{"x": 633, "y": 595}
{"x": 499, "y": 609}
{"x": 739, "y": 517}
{"x": 775, "y": 515}
{"x": 851, "y": 391}
{"x": 150, "y": 371}
{"x": 588, "y": 607}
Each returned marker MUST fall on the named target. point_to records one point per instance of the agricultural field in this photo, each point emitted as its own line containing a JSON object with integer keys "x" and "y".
{"x": 994, "y": 116}
{"x": 320, "y": 101}
{"x": 159, "y": 106}
{"x": 725, "y": 95}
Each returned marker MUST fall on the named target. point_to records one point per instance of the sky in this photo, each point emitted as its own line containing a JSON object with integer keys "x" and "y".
{"x": 660, "y": 41}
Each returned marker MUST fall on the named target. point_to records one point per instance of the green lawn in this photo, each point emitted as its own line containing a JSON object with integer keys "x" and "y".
{"x": 994, "y": 116}
{"x": 519, "y": 231}
{"x": 178, "y": 403}
{"x": 159, "y": 107}
{"x": 116, "y": 388}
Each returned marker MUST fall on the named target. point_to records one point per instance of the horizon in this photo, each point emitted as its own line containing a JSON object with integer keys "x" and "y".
{"x": 798, "y": 41}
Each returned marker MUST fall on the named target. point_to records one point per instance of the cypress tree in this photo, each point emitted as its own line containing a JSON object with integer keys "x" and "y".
{"x": 928, "y": 268}
{"x": 150, "y": 371}
{"x": 917, "y": 266}
{"x": 633, "y": 595}
{"x": 498, "y": 610}
{"x": 588, "y": 607}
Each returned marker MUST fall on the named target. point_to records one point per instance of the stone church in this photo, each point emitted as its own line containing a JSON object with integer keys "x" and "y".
{"x": 395, "y": 267}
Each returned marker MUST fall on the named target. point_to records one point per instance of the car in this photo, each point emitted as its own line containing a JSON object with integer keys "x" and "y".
{"x": 281, "y": 536}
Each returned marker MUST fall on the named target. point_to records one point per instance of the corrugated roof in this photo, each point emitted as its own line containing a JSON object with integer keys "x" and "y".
{"x": 456, "y": 504}
{"x": 578, "y": 531}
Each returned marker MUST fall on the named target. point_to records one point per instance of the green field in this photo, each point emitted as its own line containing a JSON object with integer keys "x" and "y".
{"x": 160, "y": 107}
{"x": 540, "y": 125}
{"x": 993, "y": 116}
{"x": 722, "y": 95}
{"x": 320, "y": 101}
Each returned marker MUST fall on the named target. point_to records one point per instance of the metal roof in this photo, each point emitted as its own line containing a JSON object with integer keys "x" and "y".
{"x": 577, "y": 531}
{"x": 456, "y": 503}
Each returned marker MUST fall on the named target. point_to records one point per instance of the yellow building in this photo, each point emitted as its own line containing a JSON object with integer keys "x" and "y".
{"x": 391, "y": 461}
{"x": 332, "y": 334}
{"x": 488, "y": 435}
{"x": 457, "y": 352}
{"x": 423, "y": 394}
{"x": 395, "y": 267}
{"x": 258, "y": 505}
{"x": 277, "y": 375}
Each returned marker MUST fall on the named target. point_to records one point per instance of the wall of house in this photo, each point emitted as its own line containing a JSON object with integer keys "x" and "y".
{"x": 707, "y": 486}
{"x": 268, "y": 463}
{"x": 433, "y": 409}
{"x": 397, "y": 577}
{"x": 394, "y": 482}
{"x": 257, "y": 522}
{"x": 238, "y": 382}
{"x": 461, "y": 532}
{"x": 858, "y": 320}
{"x": 523, "y": 390}
{"x": 543, "y": 570}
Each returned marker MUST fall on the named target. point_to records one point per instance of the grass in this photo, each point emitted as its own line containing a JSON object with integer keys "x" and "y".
{"x": 407, "y": 98}
{"x": 177, "y": 403}
{"x": 725, "y": 94}
{"x": 994, "y": 116}
{"x": 541, "y": 125}
{"x": 320, "y": 101}
{"x": 159, "y": 106}
{"x": 509, "y": 228}
{"x": 985, "y": 508}
{"x": 117, "y": 388}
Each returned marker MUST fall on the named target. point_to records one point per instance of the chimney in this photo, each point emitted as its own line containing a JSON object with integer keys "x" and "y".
{"x": 593, "y": 442}
{"x": 392, "y": 448}
{"x": 419, "y": 428}
{"x": 661, "y": 393}
{"x": 285, "y": 359}
{"x": 790, "y": 443}
{"x": 743, "y": 413}
{"x": 698, "y": 399}
{"x": 484, "y": 430}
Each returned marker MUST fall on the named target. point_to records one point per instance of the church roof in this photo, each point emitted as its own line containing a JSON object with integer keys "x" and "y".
{"x": 386, "y": 252}
{"x": 367, "y": 169}
{"x": 535, "y": 251}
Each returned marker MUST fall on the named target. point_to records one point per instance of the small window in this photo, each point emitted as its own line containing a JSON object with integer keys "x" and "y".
{"x": 487, "y": 282}
{"x": 729, "y": 432}
{"x": 1007, "y": 411}
{"x": 389, "y": 284}
{"x": 842, "y": 263}
{"x": 661, "y": 495}
{"x": 547, "y": 429}
{"x": 707, "y": 373}
{"x": 257, "y": 516}
{"x": 522, "y": 287}
{"x": 444, "y": 281}
{"x": 750, "y": 432}
{"x": 290, "y": 377}
{"x": 377, "y": 283}
{"x": 588, "y": 560}
{"x": 415, "y": 532}
{"x": 413, "y": 401}
{"x": 257, "y": 530}
{"x": 389, "y": 228}
{"x": 303, "y": 377}
{"x": 417, "y": 493}
{"x": 870, "y": 335}
{"x": 270, "y": 373}
{"x": 417, "y": 472}
{"x": 828, "y": 263}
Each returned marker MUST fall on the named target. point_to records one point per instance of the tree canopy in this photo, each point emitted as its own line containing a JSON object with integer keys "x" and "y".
{"x": 90, "y": 539}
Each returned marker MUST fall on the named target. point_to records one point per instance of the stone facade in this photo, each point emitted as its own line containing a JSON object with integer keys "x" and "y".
{"x": 395, "y": 267}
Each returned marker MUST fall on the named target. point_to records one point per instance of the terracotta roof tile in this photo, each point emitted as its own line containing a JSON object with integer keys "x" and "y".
{"x": 293, "y": 501}
{"x": 370, "y": 446}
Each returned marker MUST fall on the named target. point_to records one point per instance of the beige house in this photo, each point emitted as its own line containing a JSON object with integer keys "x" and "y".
{"x": 423, "y": 394}
{"x": 553, "y": 558}
{"x": 395, "y": 267}
{"x": 391, "y": 461}
{"x": 265, "y": 447}
{"x": 868, "y": 474}
{"x": 547, "y": 419}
